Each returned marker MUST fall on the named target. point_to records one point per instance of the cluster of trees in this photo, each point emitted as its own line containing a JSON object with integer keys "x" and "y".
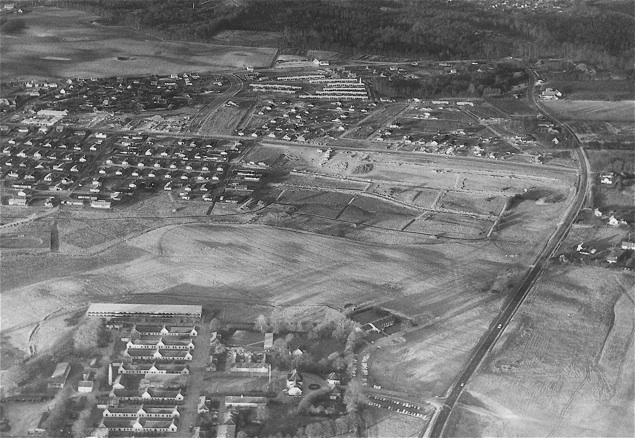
{"x": 467, "y": 82}
{"x": 89, "y": 335}
{"x": 440, "y": 30}
{"x": 81, "y": 426}
{"x": 334, "y": 325}
{"x": 353, "y": 421}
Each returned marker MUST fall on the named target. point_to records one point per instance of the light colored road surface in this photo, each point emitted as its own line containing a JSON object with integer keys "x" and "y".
{"x": 200, "y": 120}
{"x": 194, "y": 382}
{"x": 532, "y": 275}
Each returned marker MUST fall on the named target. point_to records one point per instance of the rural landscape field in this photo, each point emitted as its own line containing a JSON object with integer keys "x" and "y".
{"x": 221, "y": 226}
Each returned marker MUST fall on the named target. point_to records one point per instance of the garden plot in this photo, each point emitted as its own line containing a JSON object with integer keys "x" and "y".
{"x": 450, "y": 225}
{"x": 411, "y": 195}
{"x": 471, "y": 203}
{"x": 369, "y": 211}
{"x": 421, "y": 176}
{"x": 499, "y": 183}
{"x": 323, "y": 204}
{"x": 309, "y": 180}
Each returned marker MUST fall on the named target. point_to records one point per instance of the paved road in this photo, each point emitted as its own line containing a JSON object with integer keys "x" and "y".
{"x": 534, "y": 273}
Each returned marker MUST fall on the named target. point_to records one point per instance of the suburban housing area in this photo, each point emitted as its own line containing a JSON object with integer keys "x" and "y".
{"x": 254, "y": 228}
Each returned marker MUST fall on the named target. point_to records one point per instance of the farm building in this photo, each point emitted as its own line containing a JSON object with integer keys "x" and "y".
{"x": 607, "y": 178}
{"x": 374, "y": 319}
{"x": 110, "y": 310}
{"x": 268, "y": 341}
{"x": 22, "y": 202}
{"x": 616, "y": 255}
{"x": 58, "y": 379}
{"x": 85, "y": 386}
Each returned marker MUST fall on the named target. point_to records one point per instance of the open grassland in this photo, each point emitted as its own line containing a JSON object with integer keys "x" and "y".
{"x": 603, "y": 134}
{"x": 622, "y": 111}
{"x": 613, "y": 90}
{"x": 564, "y": 365}
{"x": 63, "y": 43}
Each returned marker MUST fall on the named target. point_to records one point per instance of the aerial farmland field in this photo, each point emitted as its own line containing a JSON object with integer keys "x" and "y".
{"x": 568, "y": 382}
{"x": 76, "y": 46}
{"x": 619, "y": 111}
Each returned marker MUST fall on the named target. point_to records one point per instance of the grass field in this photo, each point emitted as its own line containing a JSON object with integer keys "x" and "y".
{"x": 613, "y": 90}
{"x": 489, "y": 205}
{"x": 622, "y": 111}
{"x": 64, "y": 43}
{"x": 563, "y": 367}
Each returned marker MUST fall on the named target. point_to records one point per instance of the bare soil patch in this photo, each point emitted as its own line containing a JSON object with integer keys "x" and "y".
{"x": 62, "y": 43}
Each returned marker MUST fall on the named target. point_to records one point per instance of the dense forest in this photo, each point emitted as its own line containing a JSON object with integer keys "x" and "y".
{"x": 434, "y": 29}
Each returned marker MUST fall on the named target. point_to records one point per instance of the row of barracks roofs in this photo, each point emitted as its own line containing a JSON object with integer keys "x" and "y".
{"x": 124, "y": 310}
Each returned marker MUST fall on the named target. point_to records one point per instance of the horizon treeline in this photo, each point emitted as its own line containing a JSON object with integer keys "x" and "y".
{"x": 434, "y": 29}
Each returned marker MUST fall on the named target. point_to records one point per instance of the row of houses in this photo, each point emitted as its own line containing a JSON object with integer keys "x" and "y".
{"x": 159, "y": 342}
{"x": 150, "y": 368}
{"x": 129, "y": 310}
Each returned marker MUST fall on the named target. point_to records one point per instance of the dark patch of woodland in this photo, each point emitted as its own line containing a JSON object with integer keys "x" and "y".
{"x": 433, "y": 29}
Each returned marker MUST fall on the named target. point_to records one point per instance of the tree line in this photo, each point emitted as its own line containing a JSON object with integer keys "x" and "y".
{"x": 438, "y": 30}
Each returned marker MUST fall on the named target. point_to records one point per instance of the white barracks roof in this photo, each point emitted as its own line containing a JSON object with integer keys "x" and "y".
{"x": 157, "y": 309}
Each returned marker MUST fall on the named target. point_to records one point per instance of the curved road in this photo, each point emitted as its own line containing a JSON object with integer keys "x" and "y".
{"x": 201, "y": 119}
{"x": 534, "y": 273}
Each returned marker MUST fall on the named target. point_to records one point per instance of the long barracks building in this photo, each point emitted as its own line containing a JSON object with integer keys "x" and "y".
{"x": 113, "y": 310}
